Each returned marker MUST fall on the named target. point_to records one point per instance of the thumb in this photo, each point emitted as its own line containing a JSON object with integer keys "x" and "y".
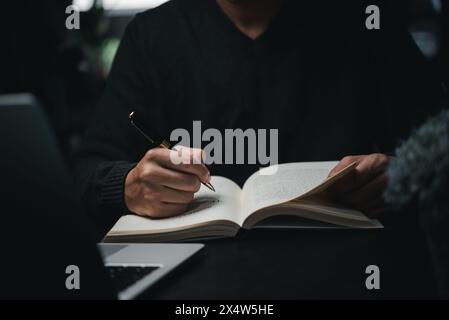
{"x": 346, "y": 161}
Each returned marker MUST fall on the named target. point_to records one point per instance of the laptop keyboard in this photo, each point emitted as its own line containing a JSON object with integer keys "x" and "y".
{"x": 123, "y": 277}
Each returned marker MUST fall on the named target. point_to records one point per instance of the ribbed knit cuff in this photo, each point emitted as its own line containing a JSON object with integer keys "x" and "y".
{"x": 112, "y": 191}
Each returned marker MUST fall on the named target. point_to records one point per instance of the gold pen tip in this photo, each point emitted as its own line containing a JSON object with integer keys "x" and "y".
{"x": 210, "y": 186}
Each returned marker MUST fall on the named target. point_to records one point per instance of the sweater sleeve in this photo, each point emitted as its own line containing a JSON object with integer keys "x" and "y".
{"x": 111, "y": 147}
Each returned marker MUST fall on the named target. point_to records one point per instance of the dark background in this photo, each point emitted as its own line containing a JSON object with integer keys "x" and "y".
{"x": 67, "y": 69}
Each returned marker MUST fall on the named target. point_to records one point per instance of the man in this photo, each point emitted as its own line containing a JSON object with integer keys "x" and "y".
{"x": 313, "y": 71}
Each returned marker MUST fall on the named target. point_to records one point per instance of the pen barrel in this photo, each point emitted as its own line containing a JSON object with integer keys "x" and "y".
{"x": 157, "y": 140}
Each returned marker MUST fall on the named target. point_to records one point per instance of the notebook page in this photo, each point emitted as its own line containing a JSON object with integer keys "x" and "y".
{"x": 207, "y": 206}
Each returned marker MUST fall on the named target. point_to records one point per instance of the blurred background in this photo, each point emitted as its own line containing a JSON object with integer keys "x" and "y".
{"x": 67, "y": 69}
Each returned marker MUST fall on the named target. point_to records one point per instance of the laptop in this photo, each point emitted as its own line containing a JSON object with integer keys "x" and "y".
{"x": 48, "y": 249}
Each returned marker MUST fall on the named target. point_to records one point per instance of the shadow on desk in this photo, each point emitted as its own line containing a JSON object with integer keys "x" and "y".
{"x": 307, "y": 264}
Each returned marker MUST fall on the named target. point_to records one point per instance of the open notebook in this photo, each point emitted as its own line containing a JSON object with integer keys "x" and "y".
{"x": 297, "y": 189}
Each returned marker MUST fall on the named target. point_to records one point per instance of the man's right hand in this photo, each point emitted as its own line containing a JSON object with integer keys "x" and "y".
{"x": 159, "y": 188}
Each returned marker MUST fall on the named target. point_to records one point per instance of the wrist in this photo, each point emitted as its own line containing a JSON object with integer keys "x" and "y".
{"x": 112, "y": 190}
{"x": 131, "y": 189}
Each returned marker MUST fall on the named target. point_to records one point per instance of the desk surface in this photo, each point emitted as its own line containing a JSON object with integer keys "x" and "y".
{"x": 306, "y": 264}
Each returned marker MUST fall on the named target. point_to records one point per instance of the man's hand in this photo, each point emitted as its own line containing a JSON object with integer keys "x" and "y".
{"x": 363, "y": 188}
{"x": 159, "y": 188}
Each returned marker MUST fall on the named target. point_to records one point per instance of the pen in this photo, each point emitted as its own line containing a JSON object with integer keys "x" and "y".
{"x": 161, "y": 142}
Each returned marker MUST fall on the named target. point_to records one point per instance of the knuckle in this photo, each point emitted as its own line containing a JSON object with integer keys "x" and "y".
{"x": 149, "y": 197}
{"x": 381, "y": 159}
{"x": 152, "y": 154}
{"x": 157, "y": 194}
{"x": 156, "y": 210}
{"x": 150, "y": 171}
{"x": 384, "y": 158}
{"x": 152, "y": 195}
{"x": 156, "y": 173}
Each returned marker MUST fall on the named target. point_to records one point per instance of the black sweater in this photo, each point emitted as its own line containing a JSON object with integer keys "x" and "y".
{"x": 331, "y": 87}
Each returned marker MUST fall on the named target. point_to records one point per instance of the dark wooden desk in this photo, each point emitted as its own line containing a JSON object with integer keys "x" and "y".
{"x": 306, "y": 264}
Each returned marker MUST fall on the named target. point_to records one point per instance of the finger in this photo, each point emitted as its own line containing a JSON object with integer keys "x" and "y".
{"x": 181, "y": 154}
{"x": 174, "y": 179}
{"x": 176, "y": 196}
{"x": 347, "y": 182}
{"x": 369, "y": 192}
{"x": 199, "y": 170}
{"x": 368, "y": 168}
{"x": 164, "y": 158}
{"x": 343, "y": 185}
{"x": 346, "y": 161}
